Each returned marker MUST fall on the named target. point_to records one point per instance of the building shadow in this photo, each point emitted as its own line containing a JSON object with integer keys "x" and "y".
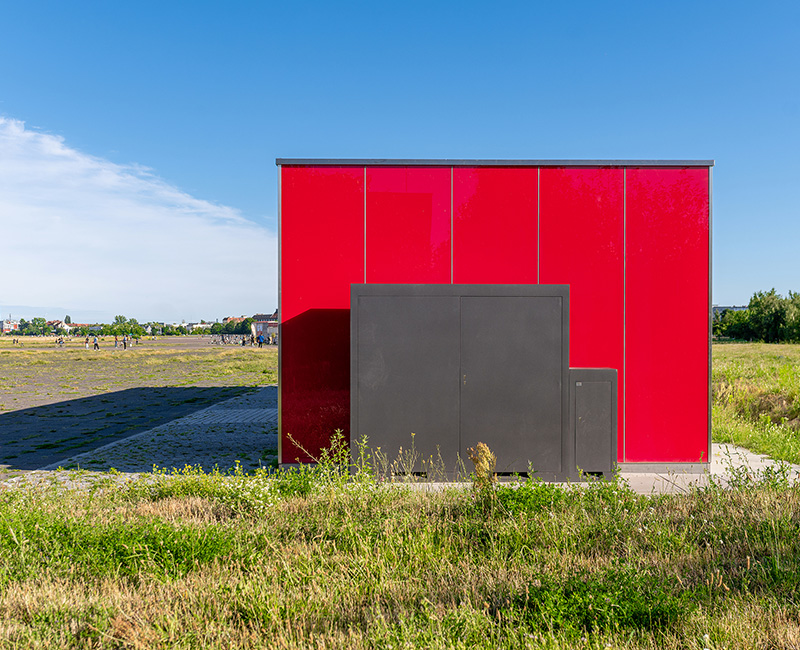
{"x": 315, "y": 382}
{"x": 36, "y": 437}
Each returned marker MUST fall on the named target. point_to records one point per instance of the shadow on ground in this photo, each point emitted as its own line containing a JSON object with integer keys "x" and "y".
{"x": 40, "y": 436}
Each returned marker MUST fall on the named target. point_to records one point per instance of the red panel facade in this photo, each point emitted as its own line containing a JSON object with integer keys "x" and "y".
{"x": 631, "y": 241}
{"x": 408, "y": 225}
{"x": 494, "y": 225}
{"x": 666, "y": 399}
{"x": 582, "y": 244}
{"x": 322, "y": 253}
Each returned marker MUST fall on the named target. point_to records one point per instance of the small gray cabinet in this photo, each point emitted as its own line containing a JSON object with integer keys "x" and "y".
{"x": 593, "y": 419}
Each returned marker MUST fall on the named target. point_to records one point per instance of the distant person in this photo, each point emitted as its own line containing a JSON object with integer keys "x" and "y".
{"x": 260, "y": 340}
{"x": 87, "y": 341}
{"x": 116, "y": 340}
{"x": 125, "y": 342}
{"x": 96, "y": 344}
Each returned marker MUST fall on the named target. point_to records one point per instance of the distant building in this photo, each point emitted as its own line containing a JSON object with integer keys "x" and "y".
{"x": 9, "y": 325}
{"x": 55, "y": 325}
{"x": 88, "y": 326}
{"x": 264, "y": 324}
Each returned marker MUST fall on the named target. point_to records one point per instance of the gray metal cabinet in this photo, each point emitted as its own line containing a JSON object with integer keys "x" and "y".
{"x": 593, "y": 418}
{"x": 462, "y": 364}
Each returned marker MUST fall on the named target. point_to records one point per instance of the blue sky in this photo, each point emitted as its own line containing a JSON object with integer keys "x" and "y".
{"x": 177, "y": 111}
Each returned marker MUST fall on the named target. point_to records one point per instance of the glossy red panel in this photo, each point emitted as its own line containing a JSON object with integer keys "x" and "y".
{"x": 494, "y": 225}
{"x": 408, "y": 224}
{"x": 581, "y": 244}
{"x": 322, "y": 253}
{"x": 322, "y": 237}
{"x": 667, "y": 315}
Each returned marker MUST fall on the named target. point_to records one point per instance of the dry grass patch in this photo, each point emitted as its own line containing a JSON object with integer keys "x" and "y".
{"x": 195, "y": 511}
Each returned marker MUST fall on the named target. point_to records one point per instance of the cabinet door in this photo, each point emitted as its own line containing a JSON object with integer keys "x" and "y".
{"x": 511, "y": 380}
{"x": 408, "y": 374}
{"x": 594, "y": 421}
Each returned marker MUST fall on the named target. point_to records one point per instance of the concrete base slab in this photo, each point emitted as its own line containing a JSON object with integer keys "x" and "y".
{"x": 727, "y": 462}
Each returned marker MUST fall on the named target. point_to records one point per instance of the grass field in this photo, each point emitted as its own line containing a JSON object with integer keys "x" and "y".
{"x": 756, "y": 397}
{"x": 40, "y": 372}
{"x": 324, "y": 558}
{"x": 315, "y": 560}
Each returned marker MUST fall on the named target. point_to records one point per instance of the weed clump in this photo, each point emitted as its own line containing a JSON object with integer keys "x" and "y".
{"x": 485, "y": 463}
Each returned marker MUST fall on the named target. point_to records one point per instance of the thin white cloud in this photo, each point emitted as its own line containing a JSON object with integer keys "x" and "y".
{"x": 81, "y": 231}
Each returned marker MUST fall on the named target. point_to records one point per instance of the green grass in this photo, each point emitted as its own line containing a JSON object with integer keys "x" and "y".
{"x": 756, "y": 397}
{"x": 321, "y": 558}
{"x": 74, "y": 371}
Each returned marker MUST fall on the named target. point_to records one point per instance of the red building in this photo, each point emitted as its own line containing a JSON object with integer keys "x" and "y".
{"x": 628, "y": 237}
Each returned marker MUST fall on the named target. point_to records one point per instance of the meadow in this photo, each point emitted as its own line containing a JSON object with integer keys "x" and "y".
{"x": 756, "y": 397}
{"x": 325, "y": 559}
{"x": 40, "y": 372}
{"x": 343, "y": 556}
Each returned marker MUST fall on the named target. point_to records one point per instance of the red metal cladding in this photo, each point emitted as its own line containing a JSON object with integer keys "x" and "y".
{"x": 322, "y": 253}
{"x": 631, "y": 244}
{"x": 494, "y": 225}
{"x": 582, "y": 244}
{"x": 667, "y": 272}
{"x": 408, "y": 225}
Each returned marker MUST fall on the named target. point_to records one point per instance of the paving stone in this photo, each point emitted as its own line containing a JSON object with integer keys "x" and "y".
{"x": 227, "y": 434}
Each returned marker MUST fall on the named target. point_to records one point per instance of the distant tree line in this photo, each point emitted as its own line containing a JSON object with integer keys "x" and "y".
{"x": 34, "y": 327}
{"x": 769, "y": 317}
{"x": 121, "y": 326}
{"x": 125, "y": 326}
{"x": 242, "y": 327}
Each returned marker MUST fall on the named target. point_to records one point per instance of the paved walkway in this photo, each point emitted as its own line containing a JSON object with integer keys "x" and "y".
{"x": 727, "y": 462}
{"x": 242, "y": 429}
{"x": 47, "y": 434}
